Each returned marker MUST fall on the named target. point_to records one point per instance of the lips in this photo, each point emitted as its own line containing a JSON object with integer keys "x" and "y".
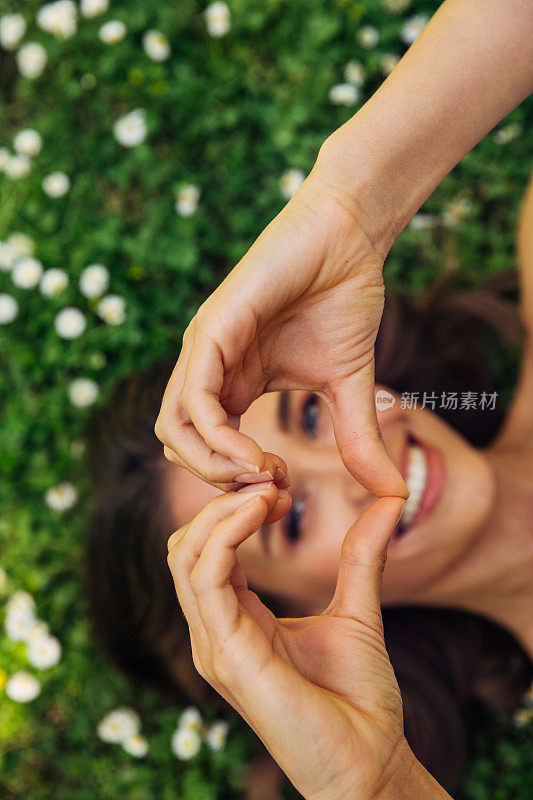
{"x": 424, "y": 472}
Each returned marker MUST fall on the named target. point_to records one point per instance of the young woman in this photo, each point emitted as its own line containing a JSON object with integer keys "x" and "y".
{"x": 464, "y": 542}
{"x": 301, "y": 311}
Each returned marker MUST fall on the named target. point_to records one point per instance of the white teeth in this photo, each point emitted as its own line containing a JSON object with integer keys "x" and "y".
{"x": 416, "y": 482}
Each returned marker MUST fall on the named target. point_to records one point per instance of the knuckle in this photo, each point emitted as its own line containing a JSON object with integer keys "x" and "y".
{"x": 159, "y": 428}
{"x": 178, "y": 560}
{"x": 169, "y": 455}
{"x": 174, "y": 538}
{"x": 188, "y": 333}
{"x": 199, "y": 665}
{"x": 198, "y": 581}
{"x": 186, "y": 397}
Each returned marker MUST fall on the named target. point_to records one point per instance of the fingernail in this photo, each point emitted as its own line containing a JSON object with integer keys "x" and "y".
{"x": 246, "y": 465}
{"x": 279, "y": 475}
{"x": 255, "y": 487}
{"x": 284, "y": 495}
{"x": 255, "y": 477}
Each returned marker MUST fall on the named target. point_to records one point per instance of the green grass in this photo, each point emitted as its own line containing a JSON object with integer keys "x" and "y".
{"x": 229, "y": 115}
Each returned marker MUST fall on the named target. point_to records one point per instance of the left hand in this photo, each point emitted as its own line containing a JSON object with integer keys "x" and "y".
{"x": 319, "y": 691}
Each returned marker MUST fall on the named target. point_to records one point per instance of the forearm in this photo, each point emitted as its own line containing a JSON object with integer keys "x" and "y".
{"x": 472, "y": 64}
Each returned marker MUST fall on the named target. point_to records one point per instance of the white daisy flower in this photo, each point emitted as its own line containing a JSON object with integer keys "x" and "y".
{"x": 7, "y": 256}
{"x": 62, "y": 497}
{"x": 396, "y": 6}
{"x": 191, "y": 719}
{"x": 412, "y": 28}
{"x": 31, "y": 60}
{"x": 59, "y": 18}
{"x": 27, "y": 272}
{"x": 44, "y": 652}
{"x": 508, "y": 133}
{"x": 28, "y": 142}
{"x": 53, "y": 282}
{"x": 290, "y": 182}
{"x": 40, "y": 628}
{"x": 18, "y": 624}
{"x": 216, "y": 735}
{"x": 77, "y": 448}
{"x": 119, "y": 725}
{"x": 56, "y": 184}
{"x": 23, "y": 687}
{"x": 354, "y": 72}
{"x": 112, "y": 309}
{"x": 94, "y": 280}
{"x": 131, "y": 129}
{"x": 424, "y": 222}
{"x": 82, "y": 392}
{"x": 93, "y": 8}
{"x": 344, "y": 94}
{"x": 367, "y": 36}
{"x": 112, "y": 32}
{"x": 21, "y": 244}
{"x": 4, "y": 157}
{"x": 187, "y": 200}
{"x": 17, "y": 167}
{"x": 156, "y": 45}
{"x": 12, "y": 29}
{"x": 456, "y": 211}
{"x": 389, "y": 61}
{"x": 185, "y": 743}
{"x": 523, "y": 717}
{"x": 8, "y": 309}
{"x": 218, "y": 19}
{"x": 70, "y": 323}
{"x": 21, "y": 601}
{"x": 136, "y": 746}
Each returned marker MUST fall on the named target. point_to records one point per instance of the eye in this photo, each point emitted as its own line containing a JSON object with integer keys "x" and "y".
{"x": 310, "y": 412}
{"x": 293, "y": 519}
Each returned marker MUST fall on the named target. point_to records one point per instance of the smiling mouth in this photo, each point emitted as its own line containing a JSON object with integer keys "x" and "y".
{"x": 425, "y": 476}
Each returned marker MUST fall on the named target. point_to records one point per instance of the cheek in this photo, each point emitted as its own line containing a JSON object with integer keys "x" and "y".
{"x": 440, "y": 547}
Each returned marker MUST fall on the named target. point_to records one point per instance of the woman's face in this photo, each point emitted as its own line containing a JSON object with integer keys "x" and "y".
{"x": 297, "y": 558}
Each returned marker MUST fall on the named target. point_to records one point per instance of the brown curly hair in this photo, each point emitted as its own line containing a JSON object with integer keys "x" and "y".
{"x": 444, "y": 660}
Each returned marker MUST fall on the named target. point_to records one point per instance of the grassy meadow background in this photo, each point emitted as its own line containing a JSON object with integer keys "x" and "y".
{"x": 230, "y": 108}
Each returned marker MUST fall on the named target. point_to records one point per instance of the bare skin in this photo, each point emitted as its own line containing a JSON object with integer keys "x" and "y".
{"x": 473, "y": 550}
{"x": 284, "y": 319}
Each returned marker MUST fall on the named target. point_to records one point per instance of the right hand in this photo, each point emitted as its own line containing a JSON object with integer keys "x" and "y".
{"x": 319, "y": 691}
{"x": 301, "y": 310}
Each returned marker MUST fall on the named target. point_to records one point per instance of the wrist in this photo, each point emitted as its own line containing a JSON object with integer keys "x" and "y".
{"x": 403, "y": 778}
{"x": 407, "y": 779}
{"x": 365, "y": 184}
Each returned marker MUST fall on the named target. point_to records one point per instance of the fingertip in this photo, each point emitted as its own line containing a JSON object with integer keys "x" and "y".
{"x": 280, "y": 508}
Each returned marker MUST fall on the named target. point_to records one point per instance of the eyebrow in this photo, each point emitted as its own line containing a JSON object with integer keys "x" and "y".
{"x": 284, "y": 403}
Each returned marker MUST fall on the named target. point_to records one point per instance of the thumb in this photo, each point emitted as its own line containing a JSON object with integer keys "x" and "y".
{"x": 363, "y": 556}
{"x": 353, "y": 411}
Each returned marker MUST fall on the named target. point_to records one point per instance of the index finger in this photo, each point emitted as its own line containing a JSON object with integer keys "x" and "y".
{"x": 176, "y": 430}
